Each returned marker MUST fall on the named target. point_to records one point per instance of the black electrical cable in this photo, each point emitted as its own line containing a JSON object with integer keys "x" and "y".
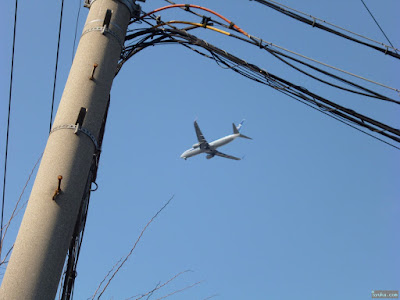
{"x": 376, "y": 22}
{"x": 255, "y": 73}
{"x": 56, "y": 66}
{"x": 265, "y": 45}
{"x": 259, "y": 43}
{"x": 8, "y": 127}
{"x": 323, "y": 27}
{"x": 372, "y": 95}
{"x": 76, "y": 28}
{"x": 340, "y": 120}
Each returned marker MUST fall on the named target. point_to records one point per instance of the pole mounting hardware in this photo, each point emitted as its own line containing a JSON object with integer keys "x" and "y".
{"x": 58, "y": 190}
{"x": 103, "y": 31}
{"x": 94, "y": 69}
{"x": 77, "y": 128}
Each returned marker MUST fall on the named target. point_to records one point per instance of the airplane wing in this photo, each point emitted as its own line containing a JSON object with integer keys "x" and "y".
{"x": 199, "y": 134}
{"x": 215, "y": 152}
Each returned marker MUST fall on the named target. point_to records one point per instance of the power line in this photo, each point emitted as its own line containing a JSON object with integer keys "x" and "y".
{"x": 254, "y": 40}
{"x": 253, "y": 72}
{"x": 376, "y": 22}
{"x": 76, "y": 28}
{"x": 56, "y": 66}
{"x": 313, "y": 22}
{"x": 8, "y": 125}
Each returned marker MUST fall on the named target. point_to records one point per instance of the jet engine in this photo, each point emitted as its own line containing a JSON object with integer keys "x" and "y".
{"x": 210, "y": 156}
{"x": 196, "y": 145}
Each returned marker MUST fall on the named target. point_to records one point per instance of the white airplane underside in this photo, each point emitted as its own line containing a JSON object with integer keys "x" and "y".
{"x": 211, "y": 148}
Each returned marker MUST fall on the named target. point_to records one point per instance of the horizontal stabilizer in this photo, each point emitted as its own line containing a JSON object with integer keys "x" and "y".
{"x": 236, "y": 131}
{"x": 244, "y": 136}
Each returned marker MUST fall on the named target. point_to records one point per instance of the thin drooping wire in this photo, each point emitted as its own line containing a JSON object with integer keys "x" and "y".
{"x": 76, "y": 29}
{"x": 376, "y": 22}
{"x": 8, "y": 126}
{"x": 313, "y": 23}
{"x": 56, "y": 66}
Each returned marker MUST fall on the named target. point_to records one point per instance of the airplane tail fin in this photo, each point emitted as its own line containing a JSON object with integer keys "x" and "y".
{"x": 240, "y": 125}
{"x": 236, "y": 130}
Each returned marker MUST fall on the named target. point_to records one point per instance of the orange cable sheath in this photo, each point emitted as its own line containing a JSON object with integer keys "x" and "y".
{"x": 199, "y": 7}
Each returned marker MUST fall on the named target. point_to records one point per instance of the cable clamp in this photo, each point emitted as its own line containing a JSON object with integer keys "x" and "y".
{"x": 187, "y": 7}
{"x": 105, "y": 30}
{"x": 77, "y": 129}
{"x": 206, "y": 21}
{"x": 313, "y": 23}
{"x": 231, "y": 25}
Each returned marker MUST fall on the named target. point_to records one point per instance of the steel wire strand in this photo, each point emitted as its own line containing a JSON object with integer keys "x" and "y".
{"x": 260, "y": 41}
{"x": 371, "y": 94}
{"x": 320, "y": 26}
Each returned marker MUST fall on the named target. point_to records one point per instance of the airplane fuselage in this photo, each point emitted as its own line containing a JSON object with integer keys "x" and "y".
{"x": 213, "y": 145}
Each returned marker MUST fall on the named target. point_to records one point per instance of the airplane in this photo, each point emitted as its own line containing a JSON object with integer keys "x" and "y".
{"x": 211, "y": 148}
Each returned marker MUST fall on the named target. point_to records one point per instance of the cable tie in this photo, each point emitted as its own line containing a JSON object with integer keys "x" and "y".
{"x": 205, "y": 21}
{"x": 313, "y": 23}
{"x": 187, "y": 7}
{"x": 231, "y": 25}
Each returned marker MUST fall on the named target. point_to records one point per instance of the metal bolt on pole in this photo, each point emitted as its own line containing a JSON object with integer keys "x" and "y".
{"x": 37, "y": 260}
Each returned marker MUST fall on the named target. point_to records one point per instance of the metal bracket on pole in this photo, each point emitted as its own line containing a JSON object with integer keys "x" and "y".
{"x": 104, "y": 30}
{"x": 77, "y": 129}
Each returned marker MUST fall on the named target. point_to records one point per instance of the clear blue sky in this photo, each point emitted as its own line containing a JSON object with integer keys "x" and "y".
{"x": 311, "y": 212}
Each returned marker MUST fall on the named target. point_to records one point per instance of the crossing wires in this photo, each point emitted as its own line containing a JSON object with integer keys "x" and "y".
{"x": 329, "y": 27}
{"x": 380, "y": 28}
{"x": 160, "y": 33}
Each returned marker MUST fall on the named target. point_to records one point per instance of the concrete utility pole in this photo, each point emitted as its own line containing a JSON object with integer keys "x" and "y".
{"x": 37, "y": 260}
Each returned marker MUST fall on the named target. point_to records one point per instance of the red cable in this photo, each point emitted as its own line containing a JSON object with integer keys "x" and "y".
{"x": 199, "y": 7}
